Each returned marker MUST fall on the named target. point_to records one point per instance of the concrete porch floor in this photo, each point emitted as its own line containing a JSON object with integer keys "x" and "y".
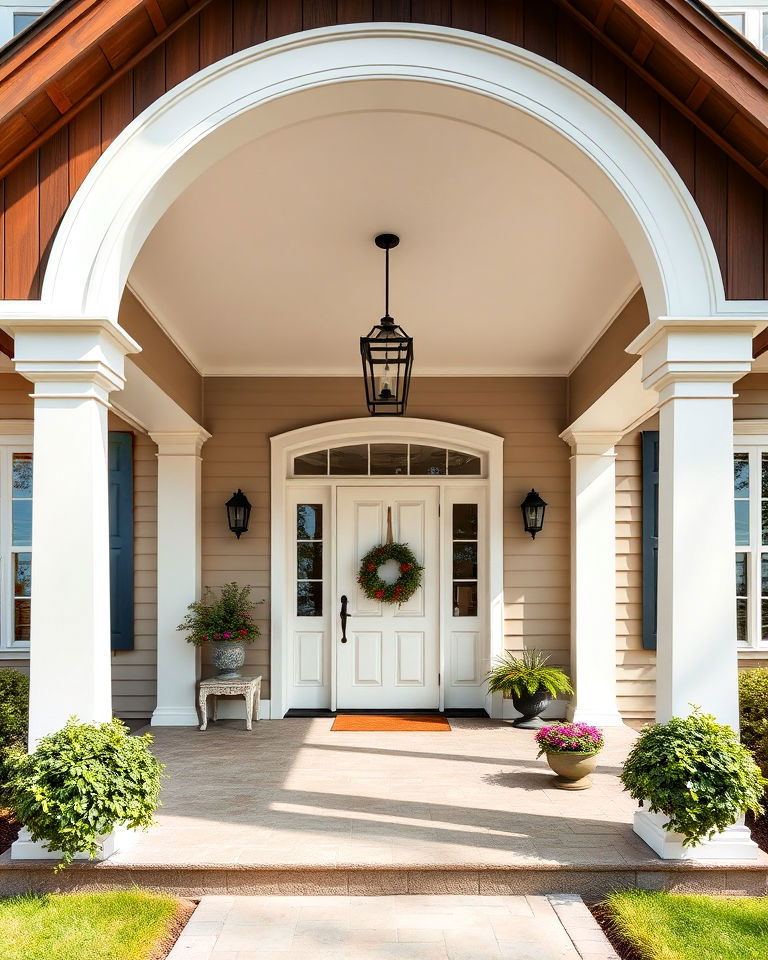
{"x": 294, "y": 793}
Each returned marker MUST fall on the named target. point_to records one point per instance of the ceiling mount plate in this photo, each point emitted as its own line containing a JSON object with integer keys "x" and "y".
{"x": 386, "y": 241}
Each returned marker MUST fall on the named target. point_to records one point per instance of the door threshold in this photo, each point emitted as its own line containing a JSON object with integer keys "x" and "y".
{"x": 477, "y": 713}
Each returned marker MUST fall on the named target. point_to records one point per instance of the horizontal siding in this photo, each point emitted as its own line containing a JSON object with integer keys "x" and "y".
{"x": 242, "y": 413}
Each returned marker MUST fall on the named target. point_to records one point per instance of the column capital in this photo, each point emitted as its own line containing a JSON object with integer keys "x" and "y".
{"x": 594, "y": 443}
{"x": 180, "y": 443}
{"x": 696, "y": 350}
{"x": 85, "y": 353}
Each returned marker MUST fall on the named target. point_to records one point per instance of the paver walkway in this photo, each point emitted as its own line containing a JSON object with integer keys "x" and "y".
{"x": 392, "y": 928}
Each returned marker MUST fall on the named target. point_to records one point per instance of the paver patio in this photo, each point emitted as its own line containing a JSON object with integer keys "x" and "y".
{"x": 390, "y": 928}
{"x": 291, "y": 792}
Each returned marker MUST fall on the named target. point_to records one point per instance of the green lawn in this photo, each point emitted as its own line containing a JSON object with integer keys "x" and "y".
{"x": 669, "y": 926}
{"x": 123, "y": 925}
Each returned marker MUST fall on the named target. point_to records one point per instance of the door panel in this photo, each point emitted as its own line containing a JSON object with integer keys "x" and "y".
{"x": 392, "y": 655}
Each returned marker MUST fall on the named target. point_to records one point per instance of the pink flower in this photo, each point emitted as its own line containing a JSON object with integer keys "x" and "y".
{"x": 227, "y": 635}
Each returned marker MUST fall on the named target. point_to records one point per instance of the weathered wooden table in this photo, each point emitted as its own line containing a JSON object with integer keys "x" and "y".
{"x": 247, "y": 687}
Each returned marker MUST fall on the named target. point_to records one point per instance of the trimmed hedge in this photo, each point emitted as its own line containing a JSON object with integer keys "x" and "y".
{"x": 14, "y": 722}
{"x": 753, "y": 709}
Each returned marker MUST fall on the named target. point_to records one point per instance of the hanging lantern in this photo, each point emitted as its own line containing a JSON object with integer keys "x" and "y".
{"x": 533, "y": 508}
{"x": 387, "y": 354}
{"x": 238, "y": 513}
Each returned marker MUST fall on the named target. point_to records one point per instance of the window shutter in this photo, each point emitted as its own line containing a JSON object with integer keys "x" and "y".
{"x": 121, "y": 538}
{"x": 650, "y": 535}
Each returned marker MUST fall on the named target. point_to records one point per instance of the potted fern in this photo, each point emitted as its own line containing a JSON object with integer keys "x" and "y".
{"x": 531, "y": 683}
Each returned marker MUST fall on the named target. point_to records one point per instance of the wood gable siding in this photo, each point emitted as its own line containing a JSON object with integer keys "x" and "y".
{"x": 36, "y": 192}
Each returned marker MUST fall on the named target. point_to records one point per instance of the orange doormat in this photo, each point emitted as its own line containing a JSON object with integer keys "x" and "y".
{"x": 402, "y": 723}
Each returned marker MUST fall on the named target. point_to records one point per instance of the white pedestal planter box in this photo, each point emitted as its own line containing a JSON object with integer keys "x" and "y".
{"x": 27, "y": 849}
{"x": 733, "y": 844}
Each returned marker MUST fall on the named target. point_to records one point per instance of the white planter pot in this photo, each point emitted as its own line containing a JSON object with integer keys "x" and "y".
{"x": 27, "y": 849}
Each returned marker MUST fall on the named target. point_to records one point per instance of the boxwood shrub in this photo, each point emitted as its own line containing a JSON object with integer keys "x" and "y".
{"x": 83, "y": 781}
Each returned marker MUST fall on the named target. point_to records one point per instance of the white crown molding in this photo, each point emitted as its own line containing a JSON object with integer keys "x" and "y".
{"x": 163, "y": 327}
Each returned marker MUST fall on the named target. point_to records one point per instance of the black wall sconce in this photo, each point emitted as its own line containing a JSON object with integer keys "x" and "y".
{"x": 238, "y": 513}
{"x": 533, "y": 508}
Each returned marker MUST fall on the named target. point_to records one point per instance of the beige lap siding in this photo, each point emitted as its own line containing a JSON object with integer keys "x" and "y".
{"x": 242, "y": 413}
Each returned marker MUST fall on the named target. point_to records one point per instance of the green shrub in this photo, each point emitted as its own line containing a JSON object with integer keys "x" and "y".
{"x": 753, "y": 708}
{"x": 81, "y": 782}
{"x": 14, "y": 720}
{"x": 695, "y": 772}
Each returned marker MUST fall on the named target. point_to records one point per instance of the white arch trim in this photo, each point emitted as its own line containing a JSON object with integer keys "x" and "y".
{"x": 361, "y": 430}
{"x": 441, "y": 70}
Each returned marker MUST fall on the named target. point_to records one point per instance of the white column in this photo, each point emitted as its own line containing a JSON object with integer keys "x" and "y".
{"x": 593, "y": 577}
{"x": 693, "y": 364}
{"x": 74, "y": 364}
{"x": 178, "y": 573}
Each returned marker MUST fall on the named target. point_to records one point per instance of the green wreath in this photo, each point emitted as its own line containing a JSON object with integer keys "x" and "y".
{"x": 406, "y": 584}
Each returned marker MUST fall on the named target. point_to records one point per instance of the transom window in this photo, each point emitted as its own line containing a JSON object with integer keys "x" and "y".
{"x": 387, "y": 460}
{"x": 750, "y": 492}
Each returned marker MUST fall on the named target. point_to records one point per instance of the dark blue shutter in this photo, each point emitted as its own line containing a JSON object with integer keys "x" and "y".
{"x": 121, "y": 538}
{"x": 650, "y": 535}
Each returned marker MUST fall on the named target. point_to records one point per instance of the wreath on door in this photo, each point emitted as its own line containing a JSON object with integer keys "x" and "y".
{"x": 406, "y": 584}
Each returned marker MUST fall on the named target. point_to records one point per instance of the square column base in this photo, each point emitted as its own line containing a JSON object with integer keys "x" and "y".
{"x": 732, "y": 845}
{"x": 27, "y": 849}
{"x": 175, "y": 717}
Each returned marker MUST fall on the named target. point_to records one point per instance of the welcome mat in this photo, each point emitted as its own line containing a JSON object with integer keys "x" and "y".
{"x": 398, "y": 723}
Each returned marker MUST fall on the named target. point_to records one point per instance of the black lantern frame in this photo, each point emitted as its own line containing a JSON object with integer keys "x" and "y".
{"x": 387, "y": 354}
{"x": 533, "y": 509}
{"x": 238, "y": 513}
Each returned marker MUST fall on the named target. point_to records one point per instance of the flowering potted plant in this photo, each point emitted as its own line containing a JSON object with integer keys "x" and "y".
{"x": 571, "y": 750}
{"x": 226, "y": 622}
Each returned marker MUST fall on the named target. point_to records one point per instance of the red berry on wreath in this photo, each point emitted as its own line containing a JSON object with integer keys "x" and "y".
{"x": 371, "y": 566}
{"x": 379, "y": 594}
{"x": 405, "y": 566}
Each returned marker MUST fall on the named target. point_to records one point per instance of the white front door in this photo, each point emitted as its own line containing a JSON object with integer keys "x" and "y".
{"x": 391, "y": 657}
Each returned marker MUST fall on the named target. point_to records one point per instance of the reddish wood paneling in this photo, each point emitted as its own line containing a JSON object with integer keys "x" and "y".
{"x": 734, "y": 206}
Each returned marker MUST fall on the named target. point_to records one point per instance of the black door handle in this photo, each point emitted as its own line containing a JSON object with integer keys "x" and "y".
{"x": 344, "y": 618}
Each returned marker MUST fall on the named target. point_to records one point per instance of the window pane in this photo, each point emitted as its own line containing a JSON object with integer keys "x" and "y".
{"x": 765, "y": 31}
{"x": 736, "y": 20}
{"x": 311, "y": 464}
{"x": 741, "y": 620}
{"x": 465, "y": 561}
{"x": 309, "y": 598}
{"x": 463, "y": 464}
{"x": 309, "y": 561}
{"x": 22, "y": 523}
{"x": 465, "y": 521}
{"x": 764, "y": 513}
{"x": 22, "y": 475}
{"x": 389, "y": 459}
{"x": 741, "y": 574}
{"x": 21, "y": 618}
{"x": 465, "y": 599}
{"x": 22, "y": 574}
{"x": 22, "y": 20}
{"x": 309, "y": 521}
{"x": 741, "y": 475}
{"x": 763, "y": 619}
{"x": 742, "y": 522}
{"x": 350, "y": 461}
{"x": 427, "y": 460}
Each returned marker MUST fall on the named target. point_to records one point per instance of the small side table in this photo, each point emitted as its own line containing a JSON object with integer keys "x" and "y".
{"x": 248, "y": 687}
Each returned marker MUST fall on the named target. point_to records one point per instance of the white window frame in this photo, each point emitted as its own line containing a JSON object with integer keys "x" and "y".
{"x": 753, "y": 20}
{"x": 15, "y": 438}
{"x": 751, "y": 437}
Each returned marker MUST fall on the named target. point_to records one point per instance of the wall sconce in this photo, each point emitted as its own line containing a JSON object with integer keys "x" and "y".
{"x": 238, "y": 513}
{"x": 533, "y": 508}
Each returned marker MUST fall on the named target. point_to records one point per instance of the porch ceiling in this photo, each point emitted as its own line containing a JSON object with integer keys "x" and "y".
{"x": 266, "y": 264}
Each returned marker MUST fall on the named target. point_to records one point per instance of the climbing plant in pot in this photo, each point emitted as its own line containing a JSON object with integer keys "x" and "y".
{"x": 531, "y": 683}
{"x": 226, "y": 622}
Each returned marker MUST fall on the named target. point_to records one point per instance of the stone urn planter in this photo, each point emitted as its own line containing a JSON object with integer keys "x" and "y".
{"x": 571, "y": 750}
{"x": 531, "y": 706}
{"x": 228, "y": 658}
{"x": 573, "y": 769}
